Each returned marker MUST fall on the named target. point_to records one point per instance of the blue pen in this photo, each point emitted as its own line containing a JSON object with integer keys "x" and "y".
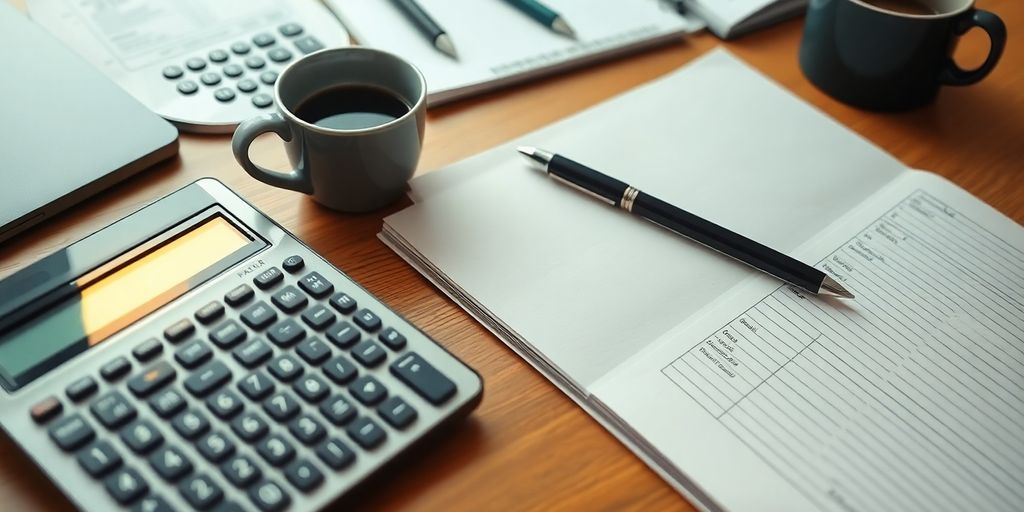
{"x": 544, "y": 15}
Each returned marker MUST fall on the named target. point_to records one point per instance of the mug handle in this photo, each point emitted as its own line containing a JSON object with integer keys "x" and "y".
{"x": 996, "y": 30}
{"x": 297, "y": 180}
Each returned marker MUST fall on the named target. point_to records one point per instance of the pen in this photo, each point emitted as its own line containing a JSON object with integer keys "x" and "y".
{"x": 427, "y": 26}
{"x": 544, "y": 15}
{"x": 734, "y": 245}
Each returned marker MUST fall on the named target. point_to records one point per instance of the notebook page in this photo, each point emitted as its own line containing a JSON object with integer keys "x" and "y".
{"x": 909, "y": 397}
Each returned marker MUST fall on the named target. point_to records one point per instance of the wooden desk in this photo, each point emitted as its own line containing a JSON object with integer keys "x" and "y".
{"x": 528, "y": 446}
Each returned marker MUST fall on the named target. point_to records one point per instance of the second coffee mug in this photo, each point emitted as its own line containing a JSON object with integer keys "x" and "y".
{"x": 352, "y": 120}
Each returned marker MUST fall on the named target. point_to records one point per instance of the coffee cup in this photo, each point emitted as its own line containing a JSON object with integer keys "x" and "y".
{"x": 892, "y": 54}
{"x": 352, "y": 121}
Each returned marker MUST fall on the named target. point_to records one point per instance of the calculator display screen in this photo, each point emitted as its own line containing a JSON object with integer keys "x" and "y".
{"x": 113, "y": 301}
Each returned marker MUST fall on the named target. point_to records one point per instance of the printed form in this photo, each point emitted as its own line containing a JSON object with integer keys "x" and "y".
{"x": 910, "y": 397}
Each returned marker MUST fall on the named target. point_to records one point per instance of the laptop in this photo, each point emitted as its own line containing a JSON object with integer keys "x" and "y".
{"x": 67, "y": 132}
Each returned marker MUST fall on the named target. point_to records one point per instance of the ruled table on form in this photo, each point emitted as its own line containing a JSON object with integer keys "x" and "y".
{"x": 910, "y": 397}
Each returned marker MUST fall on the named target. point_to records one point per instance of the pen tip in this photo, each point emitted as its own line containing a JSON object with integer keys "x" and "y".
{"x": 560, "y": 26}
{"x": 830, "y": 286}
{"x": 446, "y": 46}
{"x": 526, "y": 150}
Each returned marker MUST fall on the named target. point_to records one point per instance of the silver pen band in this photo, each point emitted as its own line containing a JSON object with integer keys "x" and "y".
{"x": 628, "y": 198}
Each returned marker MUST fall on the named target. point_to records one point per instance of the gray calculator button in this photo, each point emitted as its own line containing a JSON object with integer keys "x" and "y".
{"x": 240, "y": 471}
{"x": 240, "y": 48}
{"x": 147, "y": 349}
{"x": 193, "y": 354}
{"x": 286, "y": 333}
{"x": 208, "y": 378}
{"x": 307, "y": 430}
{"x": 312, "y": 388}
{"x": 195, "y": 64}
{"x": 259, "y": 315}
{"x": 308, "y": 44}
{"x": 224, "y": 404}
{"x": 247, "y": 85}
{"x": 218, "y": 55}
{"x": 115, "y": 369}
{"x": 113, "y": 410}
{"x": 255, "y": 62}
{"x": 81, "y": 388}
{"x": 285, "y": 367}
{"x": 227, "y": 334}
{"x": 289, "y": 299}
{"x": 224, "y": 94}
{"x": 99, "y": 459}
{"x": 369, "y": 353}
{"x": 256, "y": 386}
{"x": 268, "y": 77}
{"x": 45, "y": 409}
{"x": 368, "y": 390}
{"x": 281, "y": 406}
{"x": 191, "y": 424}
{"x": 316, "y": 285}
{"x": 152, "y": 503}
{"x": 335, "y": 454}
{"x": 338, "y": 410}
{"x": 187, "y": 87}
{"x": 209, "y": 78}
{"x": 201, "y": 492}
{"x": 279, "y": 55}
{"x": 343, "y": 335}
{"x": 215, "y": 447}
{"x": 392, "y": 338}
{"x": 210, "y": 312}
{"x": 313, "y": 351}
{"x": 252, "y": 353}
{"x": 423, "y": 378}
{"x": 269, "y": 497}
{"x": 262, "y": 100}
{"x": 152, "y": 379}
{"x": 71, "y": 432}
{"x": 276, "y": 450}
{"x": 366, "y": 432}
{"x": 173, "y": 72}
{"x": 304, "y": 476}
{"x": 167, "y": 403}
{"x": 233, "y": 70}
{"x": 397, "y": 412}
{"x": 263, "y": 39}
{"x": 170, "y": 463}
{"x": 367, "y": 320}
{"x": 179, "y": 330}
{"x": 340, "y": 370}
{"x": 343, "y": 303}
{"x": 249, "y": 427}
{"x": 126, "y": 485}
{"x": 318, "y": 317}
{"x": 290, "y": 29}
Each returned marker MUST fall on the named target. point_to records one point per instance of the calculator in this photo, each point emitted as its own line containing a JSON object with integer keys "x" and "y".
{"x": 195, "y": 355}
{"x": 205, "y": 66}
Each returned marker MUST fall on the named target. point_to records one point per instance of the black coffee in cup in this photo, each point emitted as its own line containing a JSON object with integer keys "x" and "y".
{"x": 351, "y": 107}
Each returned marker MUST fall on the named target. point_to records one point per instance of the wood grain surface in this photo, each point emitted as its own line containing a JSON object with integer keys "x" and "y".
{"x": 528, "y": 446}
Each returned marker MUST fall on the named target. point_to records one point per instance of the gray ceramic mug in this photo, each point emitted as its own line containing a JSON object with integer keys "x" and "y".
{"x": 348, "y": 170}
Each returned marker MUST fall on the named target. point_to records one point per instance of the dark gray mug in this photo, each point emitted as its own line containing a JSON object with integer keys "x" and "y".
{"x": 881, "y": 59}
{"x": 348, "y": 170}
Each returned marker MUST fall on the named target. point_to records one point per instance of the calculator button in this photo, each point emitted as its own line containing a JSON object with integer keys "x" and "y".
{"x": 343, "y": 303}
{"x": 396, "y": 412}
{"x": 304, "y": 476}
{"x": 115, "y": 369}
{"x": 279, "y": 55}
{"x": 338, "y": 410}
{"x": 392, "y": 338}
{"x": 318, "y": 317}
{"x": 224, "y": 94}
{"x": 285, "y": 367}
{"x": 224, "y": 404}
{"x": 259, "y": 315}
{"x": 200, "y": 491}
{"x": 240, "y": 48}
{"x": 170, "y": 463}
{"x": 208, "y": 378}
{"x": 255, "y": 62}
{"x": 367, "y": 320}
{"x": 289, "y": 299}
{"x": 268, "y": 278}
{"x": 343, "y": 335}
{"x": 187, "y": 87}
{"x": 81, "y": 389}
{"x": 268, "y": 77}
{"x": 126, "y": 485}
{"x": 71, "y": 432}
{"x": 195, "y": 64}
{"x": 46, "y": 408}
{"x": 99, "y": 459}
{"x": 293, "y": 264}
{"x": 152, "y": 503}
{"x": 227, "y": 334}
{"x": 256, "y": 386}
{"x": 179, "y": 330}
{"x": 193, "y": 354}
{"x": 369, "y": 353}
{"x": 368, "y": 390}
{"x": 209, "y": 78}
{"x": 312, "y": 388}
{"x": 147, "y": 349}
{"x": 241, "y": 293}
{"x": 215, "y": 446}
{"x": 173, "y": 72}
{"x": 366, "y": 433}
{"x": 152, "y": 379}
{"x": 253, "y": 353}
{"x": 306, "y": 429}
{"x": 290, "y": 29}
{"x": 313, "y": 351}
{"x": 247, "y": 85}
{"x": 233, "y": 70}
{"x": 286, "y": 333}
{"x": 262, "y": 100}
{"x": 316, "y": 285}
{"x": 240, "y": 471}
{"x": 263, "y": 39}
{"x": 281, "y": 406}
{"x": 249, "y": 427}
{"x": 113, "y": 410}
{"x": 217, "y": 55}
{"x": 190, "y": 424}
{"x": 276, "y": 450}
{"x": 308, "y": 44}
{"x": 340, "y": 370}
{"x": 210, "y": 312}
{"x": 167, "y": 403}
{"x": 336, "y": 454}
{"x": 141, "y": 436}
{"x": 423, "y": 378}
{"x": 269, "y": 497}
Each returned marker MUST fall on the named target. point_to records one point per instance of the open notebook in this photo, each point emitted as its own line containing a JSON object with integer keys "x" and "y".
{"x": 498, "y": 45}
{"x": 731, "y": 18}
{"x": 744, "y": 393}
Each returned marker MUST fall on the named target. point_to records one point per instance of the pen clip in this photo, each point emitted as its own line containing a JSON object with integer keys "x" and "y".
{"x": 581, "y": 189}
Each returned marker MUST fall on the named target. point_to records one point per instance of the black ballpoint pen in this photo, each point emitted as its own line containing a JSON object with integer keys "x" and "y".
{"x": 427, "y": 26}
{"x": 729, "y": 243}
